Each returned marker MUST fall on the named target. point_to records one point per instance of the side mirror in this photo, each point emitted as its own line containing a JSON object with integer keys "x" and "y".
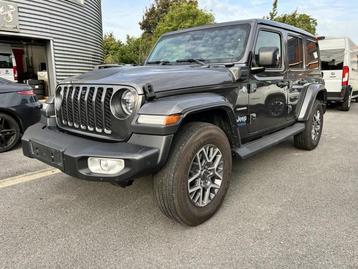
{"x": 268, "y": 57}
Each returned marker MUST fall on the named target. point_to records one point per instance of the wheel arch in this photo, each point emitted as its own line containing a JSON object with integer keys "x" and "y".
{"x": 313, "y": 92}
{"x": 221, "y": 116}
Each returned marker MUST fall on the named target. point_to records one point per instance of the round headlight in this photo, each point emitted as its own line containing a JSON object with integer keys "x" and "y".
{"x": 128, "y": 101}
{"x": 123, "y": 103}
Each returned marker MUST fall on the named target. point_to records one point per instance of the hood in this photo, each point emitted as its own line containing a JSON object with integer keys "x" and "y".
{"x": 162, "y": 78}
{"x": 7, "y": 87}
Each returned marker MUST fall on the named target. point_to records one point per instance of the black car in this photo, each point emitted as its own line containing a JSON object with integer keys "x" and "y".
{"x": 19, "y": 109}
{"x": 203, "y": 96}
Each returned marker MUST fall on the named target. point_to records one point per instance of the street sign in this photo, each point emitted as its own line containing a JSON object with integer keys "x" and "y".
{"x": 9, "y": 17}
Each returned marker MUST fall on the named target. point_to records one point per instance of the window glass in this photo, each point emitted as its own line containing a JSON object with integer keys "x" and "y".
{"x": 219, "y": 44}
{"x": 269, "y": 40}
{"x": 295, "y": 52}
{"x": 332, "y": 59}
{"x": 5, "y": 61}
{"x": 312, "y": 59}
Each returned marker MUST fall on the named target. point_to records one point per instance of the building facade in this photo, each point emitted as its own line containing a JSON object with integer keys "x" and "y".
{"x": 53, "y": 38}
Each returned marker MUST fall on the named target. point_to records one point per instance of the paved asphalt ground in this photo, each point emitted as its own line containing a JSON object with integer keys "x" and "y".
{"x": 286, "y": 208}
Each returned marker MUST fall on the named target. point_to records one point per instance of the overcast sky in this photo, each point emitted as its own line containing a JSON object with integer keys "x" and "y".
{"x": 335, "y": 17}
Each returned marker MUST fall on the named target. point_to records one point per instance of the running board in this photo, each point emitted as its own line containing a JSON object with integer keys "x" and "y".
{"x": 254, "y": 147}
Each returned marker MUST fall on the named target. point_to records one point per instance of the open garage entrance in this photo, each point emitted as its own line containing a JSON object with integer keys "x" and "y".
{"x": 27, "y": 60}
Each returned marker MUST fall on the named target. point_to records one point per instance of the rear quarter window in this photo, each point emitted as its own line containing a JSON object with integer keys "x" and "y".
{"x": 312, "y": 55}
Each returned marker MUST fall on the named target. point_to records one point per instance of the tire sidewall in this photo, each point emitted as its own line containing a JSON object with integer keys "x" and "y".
{"x": 211, "y": 135}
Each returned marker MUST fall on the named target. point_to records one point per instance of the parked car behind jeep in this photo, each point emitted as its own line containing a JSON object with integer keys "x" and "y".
{"x": 203, "y": 96}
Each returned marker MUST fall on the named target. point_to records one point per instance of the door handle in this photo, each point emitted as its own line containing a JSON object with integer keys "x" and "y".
{"x": 283, "y": 84}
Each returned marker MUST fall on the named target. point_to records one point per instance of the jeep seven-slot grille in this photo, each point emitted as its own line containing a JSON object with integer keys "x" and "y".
{"x": 86, "y": 109}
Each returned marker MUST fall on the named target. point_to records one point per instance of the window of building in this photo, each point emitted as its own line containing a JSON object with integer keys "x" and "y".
{"x": 295, "y": 52}
{"x": 312, "y": 59}
{"x": 268, "y": 39}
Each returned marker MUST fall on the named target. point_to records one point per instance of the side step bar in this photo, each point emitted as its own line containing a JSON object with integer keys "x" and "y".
{"x": 254, "y": 147}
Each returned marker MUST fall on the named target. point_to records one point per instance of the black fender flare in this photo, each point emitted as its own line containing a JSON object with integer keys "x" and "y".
{"x": 184, "y": 105}
{"x": 311, "y": 93}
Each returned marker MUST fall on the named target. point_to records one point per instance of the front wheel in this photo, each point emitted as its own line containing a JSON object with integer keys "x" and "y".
{"x": 193, "y": 184}
{"x": 310, "y": 137}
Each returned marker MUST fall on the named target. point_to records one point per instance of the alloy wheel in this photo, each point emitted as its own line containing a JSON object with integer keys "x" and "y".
{"x": 7, "y": 133}
{"x": 316, "y": 125}
{"x": 205, "y": 175}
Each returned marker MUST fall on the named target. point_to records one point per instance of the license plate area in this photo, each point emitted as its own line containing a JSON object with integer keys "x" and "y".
{"x": 48, "y": 155}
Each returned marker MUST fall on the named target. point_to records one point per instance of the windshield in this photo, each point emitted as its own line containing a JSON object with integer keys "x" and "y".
{"x": 216, "y": 45}
{"x": 332, "y": 59}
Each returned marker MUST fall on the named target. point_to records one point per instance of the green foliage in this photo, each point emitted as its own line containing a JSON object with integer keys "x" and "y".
{"x": 163, "y": 16}
{"x": 182, "y": 16}
{"x": 153, "y": 15}
{"x": 303, "y": 21}
{"x": 273, "y": 13}
{"x": 300, "y": 20}
{"x": 111, "y": 46}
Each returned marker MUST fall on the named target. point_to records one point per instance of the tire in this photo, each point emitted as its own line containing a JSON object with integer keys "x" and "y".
{"x": 9, "y": 132}
{"x": 307, "y": 140}
{"x": 171, "y": 184}
{"x": 347, "y": 103}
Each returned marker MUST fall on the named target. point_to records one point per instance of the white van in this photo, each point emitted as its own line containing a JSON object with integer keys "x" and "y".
{"x": 339, "y": 58}
{"x": 7, "y": 63}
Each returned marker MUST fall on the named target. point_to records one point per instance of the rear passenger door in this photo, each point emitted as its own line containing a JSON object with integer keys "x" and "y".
{"x": 296, "y": 73}
{"x": 268, "y": 90}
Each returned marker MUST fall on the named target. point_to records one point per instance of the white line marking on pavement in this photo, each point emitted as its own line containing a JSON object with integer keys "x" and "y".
{"x": 12, "y": 181}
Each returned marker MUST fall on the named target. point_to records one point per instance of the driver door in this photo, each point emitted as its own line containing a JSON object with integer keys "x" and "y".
{"x": 269, "y": 89}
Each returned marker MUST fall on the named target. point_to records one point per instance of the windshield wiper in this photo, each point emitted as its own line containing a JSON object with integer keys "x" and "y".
{"x": 192, "y": 60}
{"x": 159, "y": 62}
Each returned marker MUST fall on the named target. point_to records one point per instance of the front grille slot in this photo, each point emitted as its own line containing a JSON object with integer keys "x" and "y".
{"x": 86, "y": 108}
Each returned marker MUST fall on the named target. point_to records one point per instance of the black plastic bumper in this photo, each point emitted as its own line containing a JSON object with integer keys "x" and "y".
{"x": 338, "y": 96}
{"x": 70, "y": 154}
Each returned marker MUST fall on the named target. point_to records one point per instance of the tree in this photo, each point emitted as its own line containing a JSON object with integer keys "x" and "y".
{"x": 111, "y": 47}
{"x": 156, "y": 12}
{"x": 182, "y": 16}
{"x": 300, "y": 20}
{"x": 273, "y": 13}
{"x": 303, "y": 21}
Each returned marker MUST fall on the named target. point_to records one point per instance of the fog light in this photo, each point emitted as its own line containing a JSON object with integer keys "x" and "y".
{"x": 105, "y": 166}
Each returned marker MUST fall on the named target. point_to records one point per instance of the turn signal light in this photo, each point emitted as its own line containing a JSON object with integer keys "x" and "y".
{"x": 159, "y": 120}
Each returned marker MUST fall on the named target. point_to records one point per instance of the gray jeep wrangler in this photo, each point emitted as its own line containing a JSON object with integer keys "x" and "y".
{"x": 204, "y": 96}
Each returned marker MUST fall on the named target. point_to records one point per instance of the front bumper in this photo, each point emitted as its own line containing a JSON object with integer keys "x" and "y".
{"x": 70, "y": 153}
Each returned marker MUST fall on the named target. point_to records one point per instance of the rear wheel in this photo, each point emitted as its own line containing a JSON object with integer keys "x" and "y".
{"x": 193, "y": 184}
{"x": 310, "y": 137}
{"x": 9, "y": 132}
{"x": 346, "y": 105}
